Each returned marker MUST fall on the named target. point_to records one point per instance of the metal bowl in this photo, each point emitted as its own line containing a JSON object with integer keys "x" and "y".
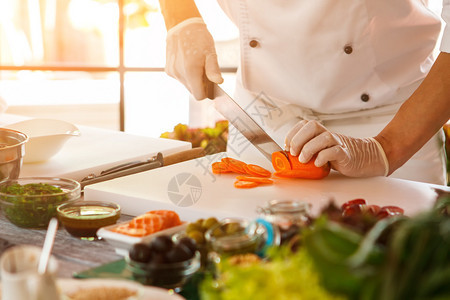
{"x": 12, "y": 151}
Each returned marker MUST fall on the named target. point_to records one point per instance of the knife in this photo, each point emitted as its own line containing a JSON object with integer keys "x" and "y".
{"x": 248, "y": 127}
{"x": 140, "y": 166}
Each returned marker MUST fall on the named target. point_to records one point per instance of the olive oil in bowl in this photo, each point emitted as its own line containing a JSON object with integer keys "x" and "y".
{"x": 82, "y": 219}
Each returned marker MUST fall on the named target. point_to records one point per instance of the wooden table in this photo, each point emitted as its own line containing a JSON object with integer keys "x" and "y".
{"x": 73, "y": 255}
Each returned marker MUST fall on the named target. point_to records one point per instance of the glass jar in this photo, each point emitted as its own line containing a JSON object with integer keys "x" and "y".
{"x": 237, "y": 236}
{"x": 287, "y": 217}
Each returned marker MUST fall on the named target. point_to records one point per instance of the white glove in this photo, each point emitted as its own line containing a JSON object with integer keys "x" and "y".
{"x": 191, "y": 56}
{"x": 354, "y": 157}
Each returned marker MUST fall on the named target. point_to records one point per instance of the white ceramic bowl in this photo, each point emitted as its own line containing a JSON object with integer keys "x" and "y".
{"x": 46, "y": 137}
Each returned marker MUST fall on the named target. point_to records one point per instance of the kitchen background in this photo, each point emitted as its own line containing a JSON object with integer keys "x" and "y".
{"x": 101, "y": 63}
{"x": 62, "y": 59}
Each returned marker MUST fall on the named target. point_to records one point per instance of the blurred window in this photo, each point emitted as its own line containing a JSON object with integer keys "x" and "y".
{"x": 105, "y": 54}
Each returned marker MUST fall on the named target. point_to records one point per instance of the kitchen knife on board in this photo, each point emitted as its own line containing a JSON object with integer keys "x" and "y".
{"x": 248, "y": 127}
{"x": 139, "y": 166}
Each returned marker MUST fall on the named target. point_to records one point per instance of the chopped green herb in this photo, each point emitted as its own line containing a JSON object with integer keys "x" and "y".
{"x": 31, "y": 205}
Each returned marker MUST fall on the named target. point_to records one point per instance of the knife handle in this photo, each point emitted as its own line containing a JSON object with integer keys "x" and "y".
{"x": 183, "y": 156}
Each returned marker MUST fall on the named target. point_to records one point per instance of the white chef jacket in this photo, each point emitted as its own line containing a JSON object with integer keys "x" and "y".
{"x": 354, "y": 61}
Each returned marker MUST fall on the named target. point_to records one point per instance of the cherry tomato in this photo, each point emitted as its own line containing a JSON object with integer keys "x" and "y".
{"x": 353, "y": 209}
{"x": 393, "y": 210}
{"x": 373, "y": 209}
{"x": 358, "y": 201}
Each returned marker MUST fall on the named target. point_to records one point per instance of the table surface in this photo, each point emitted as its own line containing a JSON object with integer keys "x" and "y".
{"x": 73, "y": 255}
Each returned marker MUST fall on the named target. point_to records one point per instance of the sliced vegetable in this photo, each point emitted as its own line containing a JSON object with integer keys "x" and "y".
{"x": 262, "y": 180}
{"x": 306, "y": 174}
{"x": 235, "y": 165}
{"x": 256, "y": 170}
{"x": 289, "y": 166}
{"x": 220, "y": 167}
{"x": 241, "y": 184}
{"x": 280, "y": 161}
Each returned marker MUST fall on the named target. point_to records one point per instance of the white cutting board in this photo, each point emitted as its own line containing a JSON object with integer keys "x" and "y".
{"x": 95, "y": 150}
{"x": 216, "y": 196}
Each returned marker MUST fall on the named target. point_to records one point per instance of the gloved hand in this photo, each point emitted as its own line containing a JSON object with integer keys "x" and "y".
{"x": 354, "y": 157}
{"x": 191, "y": 56}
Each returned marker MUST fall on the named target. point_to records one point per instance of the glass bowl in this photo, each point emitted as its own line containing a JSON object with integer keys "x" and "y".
{"x": 165, "y": 275}
{"x": 31, "y": 202}
{"x": 82, "y": 219}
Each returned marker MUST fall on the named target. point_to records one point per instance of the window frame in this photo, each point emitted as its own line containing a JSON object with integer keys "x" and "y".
{"x": 121, "y": 69}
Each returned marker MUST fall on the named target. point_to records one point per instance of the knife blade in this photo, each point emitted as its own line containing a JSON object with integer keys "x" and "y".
{"x": 245, "y": 124}
{"x": 141, "y": 166}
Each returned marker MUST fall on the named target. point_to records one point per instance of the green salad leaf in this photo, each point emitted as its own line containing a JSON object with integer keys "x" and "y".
{"x": 283, "y": 277}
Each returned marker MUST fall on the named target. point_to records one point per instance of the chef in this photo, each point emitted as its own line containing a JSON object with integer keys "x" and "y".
{"x": 347, "y": 65}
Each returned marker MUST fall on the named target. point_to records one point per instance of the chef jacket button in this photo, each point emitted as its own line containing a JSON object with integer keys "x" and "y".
{"x": 365, "y": 97}
{"x": 348, "y": 49}
{"x": 253, "y": 43}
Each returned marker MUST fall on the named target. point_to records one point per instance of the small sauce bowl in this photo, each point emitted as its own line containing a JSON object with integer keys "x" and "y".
{"x": 82, "y": 219}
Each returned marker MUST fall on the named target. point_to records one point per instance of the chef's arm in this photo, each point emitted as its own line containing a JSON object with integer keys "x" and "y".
{"x": 176, "y": 11}
{"x": 190, "y": 51}
{"x": 420, "y": 117}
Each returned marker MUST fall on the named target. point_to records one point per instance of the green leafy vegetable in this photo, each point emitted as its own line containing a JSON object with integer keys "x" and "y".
{"x": 285, "y": 276}
{"x": 398, "y": 258}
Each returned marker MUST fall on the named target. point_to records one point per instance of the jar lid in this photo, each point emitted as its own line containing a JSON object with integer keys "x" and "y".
{"x": 245, "y": 236}
{"x": 285, "y": 207}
